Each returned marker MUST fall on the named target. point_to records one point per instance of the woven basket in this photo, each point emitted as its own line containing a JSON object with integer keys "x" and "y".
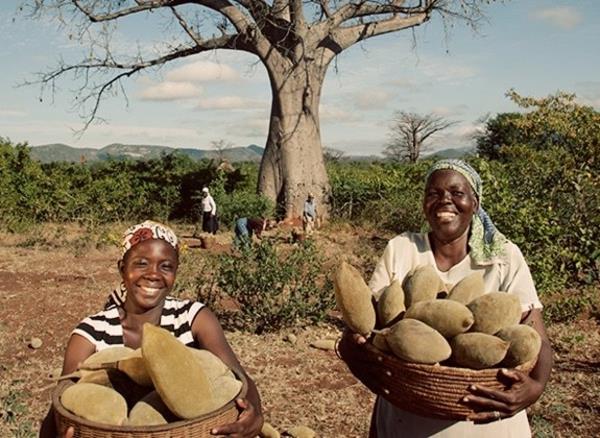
{"x": 426, "y": 390}
{"x": 195, "y": 428}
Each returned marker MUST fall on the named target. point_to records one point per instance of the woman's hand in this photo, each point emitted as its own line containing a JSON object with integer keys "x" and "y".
{"x": 247, "y": 425}
{"x": 493, "y": 404}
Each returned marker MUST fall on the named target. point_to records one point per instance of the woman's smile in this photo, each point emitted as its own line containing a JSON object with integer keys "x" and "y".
{"x": 148, "y": 271}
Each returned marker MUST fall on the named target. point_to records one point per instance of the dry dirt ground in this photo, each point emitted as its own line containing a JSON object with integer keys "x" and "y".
{"x": 49, "y": 282}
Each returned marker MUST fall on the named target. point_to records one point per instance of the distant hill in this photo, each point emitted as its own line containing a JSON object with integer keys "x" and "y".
{"x": 61, "y": 152}
{"x": 453, "y": 152}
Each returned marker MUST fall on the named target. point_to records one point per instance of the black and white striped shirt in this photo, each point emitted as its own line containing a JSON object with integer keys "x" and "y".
{"x": 104, "y": 329}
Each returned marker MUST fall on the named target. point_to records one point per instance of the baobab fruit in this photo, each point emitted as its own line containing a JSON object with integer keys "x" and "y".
{"x": 525, "y": 344}
{"x": 324, "y": 344}
{"x": 301, "y": 432}
{"x": 450, "y": 318}
{"x": 414, "y": 341}
{"x": 354, "y": 299}
{"x": 100, "y": 376}
{"x": 421, "y": 284}
{"x": 467, "y": 289}
{"x": 380, "y": 343}
{"x": 268, "y": 431}
{"x": 391, "y": 303}
{"x": 494, "y": 311}
{"x": 149, "y": 411}
{"x": 134, "y": 366}
{"x": 95, "y": 403}
{"x": 178, "y": 377}
{"x": 224, "y": 390}
{"x": 212, "y": 365}
{"x": 478, "y": 350}
{"x": 110, "y": 354}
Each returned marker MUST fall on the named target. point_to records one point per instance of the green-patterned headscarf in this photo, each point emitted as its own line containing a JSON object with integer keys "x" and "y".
{"x": 486, "y": 242}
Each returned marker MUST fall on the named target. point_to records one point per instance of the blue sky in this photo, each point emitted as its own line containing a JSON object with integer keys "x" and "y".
{"x": 536, "y": 47}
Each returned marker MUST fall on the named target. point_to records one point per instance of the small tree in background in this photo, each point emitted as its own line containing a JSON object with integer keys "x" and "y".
{"x": 221, "y": 147}
{"x": 409, "y": 134}
{"x": 332, "y": 154}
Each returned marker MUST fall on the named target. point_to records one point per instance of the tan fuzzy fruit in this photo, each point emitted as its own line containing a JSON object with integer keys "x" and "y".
{"x": 525, "y": 344}
{"x": 467, "y": 289}
{"x": 324, "y": 344}
{"x": 111, "y": 354}
{"x": 478, "y": 350}
{"x": 99, "y": 377}
{"x": 414, "y": 341}
{"x": 354, "y": 299}
{"x": 95, "y": 403}
{"x": 301, "y": 432}
{"x": 224, "y": 390}
{"x": 212, "y": 366}
{"x": 421, "y": 284}
{"x": 268, "y": 431}
{"x": 380, "y": 343}
{"x": 391, "y": 303}
{"x": 178, "y": 377}
{"x": 494, "y": 311}
{"x": 150, "y": 411}
{"x": 135, "y": 367}
{"x": 448, "y": 317}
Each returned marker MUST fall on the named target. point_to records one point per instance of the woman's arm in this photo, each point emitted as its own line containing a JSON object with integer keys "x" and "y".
{"x": 78, "y": 350}
{"x": 208, "y": 333}
{"x": 524, "y": 389}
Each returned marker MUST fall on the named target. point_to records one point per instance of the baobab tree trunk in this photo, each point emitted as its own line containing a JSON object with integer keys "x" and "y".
{"x": 293, "y": 165}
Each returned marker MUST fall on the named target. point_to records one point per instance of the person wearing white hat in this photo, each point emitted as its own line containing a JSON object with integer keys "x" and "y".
{"x": 209, "y": 212}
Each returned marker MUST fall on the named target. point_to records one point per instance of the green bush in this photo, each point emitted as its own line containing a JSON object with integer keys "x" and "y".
{"x": 273, "y": 287}
{"x": 239, "y": 200}
{"x": 386, "y": 194}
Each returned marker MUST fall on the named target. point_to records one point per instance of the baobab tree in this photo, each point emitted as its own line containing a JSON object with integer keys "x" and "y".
{"x": 296, "y": 40}
{"x": 410, "y": 133}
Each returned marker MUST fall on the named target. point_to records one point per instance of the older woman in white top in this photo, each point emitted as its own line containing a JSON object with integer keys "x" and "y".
{"x": 462, "y": 240}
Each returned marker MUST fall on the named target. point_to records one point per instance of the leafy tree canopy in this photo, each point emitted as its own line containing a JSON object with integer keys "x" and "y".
{"x": 555, "y": 121}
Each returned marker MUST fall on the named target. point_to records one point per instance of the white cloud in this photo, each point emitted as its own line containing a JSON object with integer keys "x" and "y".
{"x": 452, "y": 111}
{"x": 372, "y": 99}
{"x": 460, "y": 135}
{"x": 255, "y": 128}
{"x": 202, "y": 71}
{"x": 12, "y": 113}
{"x": 588, "y": 93}
{"x": 564, "y": 17}
{"x": 334, "y": 114}
{"x": 171, "y": 91}
{"x": 228, "y": 103}
{"x": 441, "y": 70}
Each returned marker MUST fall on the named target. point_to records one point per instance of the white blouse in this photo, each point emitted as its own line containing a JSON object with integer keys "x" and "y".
{"x": 510, "y": 274}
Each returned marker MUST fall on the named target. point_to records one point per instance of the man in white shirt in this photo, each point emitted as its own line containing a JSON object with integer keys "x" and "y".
{"x": 209, "y": 211}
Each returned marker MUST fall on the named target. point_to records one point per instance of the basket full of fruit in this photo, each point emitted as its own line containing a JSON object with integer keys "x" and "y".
{"x": 163, "y": 390}
{"x": 432, "y": 341}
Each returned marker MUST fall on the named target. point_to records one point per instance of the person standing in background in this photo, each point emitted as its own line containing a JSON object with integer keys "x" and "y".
{"x": 309, "y": 215}
{"x": 209, "y": 212}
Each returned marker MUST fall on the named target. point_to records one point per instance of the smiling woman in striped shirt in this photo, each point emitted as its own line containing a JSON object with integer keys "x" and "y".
{"x": 148, "y": 268}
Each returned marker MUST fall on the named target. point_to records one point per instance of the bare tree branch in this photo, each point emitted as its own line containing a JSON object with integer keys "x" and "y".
{"x": 410, "y": 132}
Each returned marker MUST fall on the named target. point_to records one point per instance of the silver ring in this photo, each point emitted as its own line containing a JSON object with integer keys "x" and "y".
{"x": 496, "y": 415}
